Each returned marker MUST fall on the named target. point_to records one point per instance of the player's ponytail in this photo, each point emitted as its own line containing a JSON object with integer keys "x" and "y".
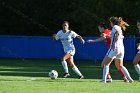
{"x": 123, "y": 24}
{"x": 119, "y": 21}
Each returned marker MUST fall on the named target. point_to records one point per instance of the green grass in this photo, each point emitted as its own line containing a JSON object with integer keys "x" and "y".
{"x": 31, "y": 76}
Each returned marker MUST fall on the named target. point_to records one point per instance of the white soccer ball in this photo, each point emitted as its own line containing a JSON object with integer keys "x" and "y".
{"x": 53, "y": 74}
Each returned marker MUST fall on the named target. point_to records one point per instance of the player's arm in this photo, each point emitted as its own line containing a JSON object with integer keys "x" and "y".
{"x": 138, "y": 46}
{"x": 75, "y": 35}
{"x": 56, "y": 36}
{"x": 53, "y": 36}
{"x": 116, "y": 39}
{"x": 81, "y": 39}
{"x": 116, "y": 36}
{"x": 96, "y": 40}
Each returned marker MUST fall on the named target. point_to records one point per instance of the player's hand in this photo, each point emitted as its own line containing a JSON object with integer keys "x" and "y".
{"x": 138, "y": 46}
{"x": 82, "y": 41}
{"x": 89, "y": 41}
{"x": 53, "y": 36}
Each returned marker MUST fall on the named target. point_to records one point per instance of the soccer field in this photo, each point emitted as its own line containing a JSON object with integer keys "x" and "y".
{"x": 31, "y": 76}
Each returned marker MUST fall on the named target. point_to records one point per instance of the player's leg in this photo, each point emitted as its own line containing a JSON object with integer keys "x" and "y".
{"x": 109, "y": 79}
{"x": 74, "y": 67}
{"x": 119, "y": 58}
{"x": 106, "y": 68}
{"x": 109, "y": 58}
{"x": 118, "y": 66}
{"x": 136, "y": 65}
{"x": 124, "y": 70}
{"x": 64, "y": 64}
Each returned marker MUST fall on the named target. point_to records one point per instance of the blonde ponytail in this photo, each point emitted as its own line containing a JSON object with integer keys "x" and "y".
{"x": 119, "y": 21}
{"x": 122, "y": 23}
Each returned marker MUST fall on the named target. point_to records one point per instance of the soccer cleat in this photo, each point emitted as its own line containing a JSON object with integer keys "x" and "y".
{"x": 131, "y": 80}
{"x": 109, "y": 80}
{"x": 81, "y": 77}
{"x": 66, "y": 75}
{"x": 126, "y": 80}
{"x": 102, "y": 81}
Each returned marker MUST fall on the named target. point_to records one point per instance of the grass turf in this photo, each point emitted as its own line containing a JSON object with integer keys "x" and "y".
{"x": 31, "y": 76}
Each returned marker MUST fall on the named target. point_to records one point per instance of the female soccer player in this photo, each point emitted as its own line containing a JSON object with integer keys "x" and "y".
{"x": 116, "y": 50}
{"x": 66, "y": 36}
{"x": 137, "y": 57}
{"x": 105, "y": 35}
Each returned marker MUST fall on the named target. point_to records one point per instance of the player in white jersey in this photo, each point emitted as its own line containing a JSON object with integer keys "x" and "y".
{"x": 116, "y": 47}
{"x": 137, "y": 57}
{"x": 105, "y": 35}
{"x": 66, "y": 37}
{"x": 116, "y": 50}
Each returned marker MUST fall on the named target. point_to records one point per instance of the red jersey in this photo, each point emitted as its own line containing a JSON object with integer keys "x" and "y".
{"x": 106, "y": 34}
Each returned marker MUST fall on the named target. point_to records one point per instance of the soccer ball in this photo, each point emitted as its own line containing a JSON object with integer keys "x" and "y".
{"x": 53, "y": 74}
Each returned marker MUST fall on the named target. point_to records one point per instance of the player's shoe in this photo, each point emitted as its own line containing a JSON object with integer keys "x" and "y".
{"x": 131, "y": 80}
{"x": 102, "y": 81}
{"x": 126, "y": 80}
{"x": 109, "y": 80}
{"x": 81, "y": 77}
{"x": 66, "y": 75}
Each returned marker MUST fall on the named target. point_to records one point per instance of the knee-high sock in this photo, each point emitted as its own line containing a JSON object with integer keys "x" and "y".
{"x": 76, "y": 70}
{"x": 65, "y": 66}
{"x": 105, "y": 72}
{"x": 126, "y": 73}
{"x": 122, "y": 74}
{"x": 108, "y": 74}
{"x": 137, "y": 68}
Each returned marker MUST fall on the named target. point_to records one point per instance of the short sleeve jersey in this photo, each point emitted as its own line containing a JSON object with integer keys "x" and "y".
{"x": 119, "y": 42}
{"x": 67, "y": 39}
{"x": 106, "y": 34}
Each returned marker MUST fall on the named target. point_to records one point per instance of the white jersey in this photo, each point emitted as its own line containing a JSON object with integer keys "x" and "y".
{"x": 119, "y": 42}
{"x": 119, "y": 50}
{"x": 66, "y": 39}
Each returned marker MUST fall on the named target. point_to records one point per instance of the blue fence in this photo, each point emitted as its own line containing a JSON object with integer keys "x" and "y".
{"x": 45, "y": 47}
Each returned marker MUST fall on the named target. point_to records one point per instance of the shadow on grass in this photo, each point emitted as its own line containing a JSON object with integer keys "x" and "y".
{"x": 40, "y": 68}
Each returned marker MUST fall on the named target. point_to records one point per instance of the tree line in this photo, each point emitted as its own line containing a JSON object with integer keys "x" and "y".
{"x": 45, "y": 17}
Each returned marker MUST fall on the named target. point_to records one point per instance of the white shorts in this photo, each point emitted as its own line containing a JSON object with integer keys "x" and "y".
{"x": 139, "y": 51}
{"x": 72, "y": 52}
{"x": 118, "y": 54}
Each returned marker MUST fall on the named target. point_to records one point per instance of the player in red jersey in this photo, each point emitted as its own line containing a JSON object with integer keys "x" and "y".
{"x": 105, "y": 35}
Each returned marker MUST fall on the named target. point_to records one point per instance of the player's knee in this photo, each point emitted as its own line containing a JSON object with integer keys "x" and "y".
{"x": 119, "y": 67}
{"x": 102, "y": 64}
{"x": 135, "y": 62}
{"x": 71, "y": 65}
{"x": 63, "y": 59}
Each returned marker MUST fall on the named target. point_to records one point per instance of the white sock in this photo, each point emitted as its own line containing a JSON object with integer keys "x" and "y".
{"x": 76, "y": 70}
{"x": 137, "y": 68}
{"x": 105, "y": 72}
{"x": 125, "y": 71}
{"x": 65, "y": 66}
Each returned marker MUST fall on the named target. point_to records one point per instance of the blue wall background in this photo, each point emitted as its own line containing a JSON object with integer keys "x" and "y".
{"x": 45, "y": 47}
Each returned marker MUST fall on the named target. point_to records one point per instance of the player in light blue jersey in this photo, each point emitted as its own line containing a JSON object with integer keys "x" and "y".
{"x": 116, "y": 50}
{"x": 66, "y": 36}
